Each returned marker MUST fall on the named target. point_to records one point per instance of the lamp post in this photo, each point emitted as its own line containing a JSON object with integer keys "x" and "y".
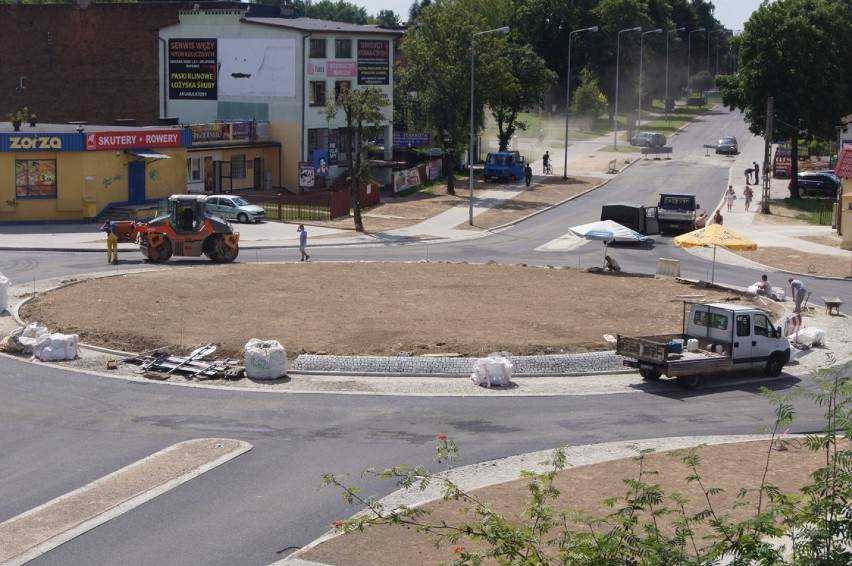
{"x": 617, "y": 61}
{"x": 641, "y": 50}
{"x": 504, "y": 30}
{"x": 711, "y": 32}
{"x": 671, "y": 31}
{"x": 689, "y": 55}
{"x": 568, "y": 97}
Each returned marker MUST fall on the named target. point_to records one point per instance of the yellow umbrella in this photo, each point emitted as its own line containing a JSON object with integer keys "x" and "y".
{"x": 715, "y": 235}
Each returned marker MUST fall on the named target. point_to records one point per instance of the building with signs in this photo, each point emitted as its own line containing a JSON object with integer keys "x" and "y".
{"x": 262, "y": 65}
{"x": 66, "y": 172}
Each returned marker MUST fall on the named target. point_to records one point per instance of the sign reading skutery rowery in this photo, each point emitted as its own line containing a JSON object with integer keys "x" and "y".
{"x": 373, "y": 62}
{"x": 130, "y": 140}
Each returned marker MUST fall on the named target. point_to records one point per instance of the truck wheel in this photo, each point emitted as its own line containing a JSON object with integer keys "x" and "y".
{"x": 688, "y": 381}
{"x": 649, "y": 374}
{"x": 774, "y": 365}
{"x": 162, "y": 253}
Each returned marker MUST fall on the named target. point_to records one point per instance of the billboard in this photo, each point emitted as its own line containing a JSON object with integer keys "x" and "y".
{"x": 257, "y": 67}
{"x": 373, "y": 62}
{"x": 192, "y": 69}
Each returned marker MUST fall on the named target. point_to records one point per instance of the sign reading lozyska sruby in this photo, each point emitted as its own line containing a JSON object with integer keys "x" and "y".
{"x": 130, "y": 140}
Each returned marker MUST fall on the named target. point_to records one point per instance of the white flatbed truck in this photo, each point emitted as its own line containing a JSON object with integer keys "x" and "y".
{"x": 723, "y": 337}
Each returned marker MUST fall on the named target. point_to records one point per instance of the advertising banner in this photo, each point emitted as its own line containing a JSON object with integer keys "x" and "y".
{"x": 433, "y": 169}
{"x": 257, "y": 67}
{"x": 192, "y": 69}
{"x": 130, "y": 140}
{"x": 373, "y": 62}
{"x": 321, "y": 163}
{"x": 407, "y": 139}
{"x": 333, "y": 151}
{"x": 306, "y": 175}
{"x": 406, "y": 179}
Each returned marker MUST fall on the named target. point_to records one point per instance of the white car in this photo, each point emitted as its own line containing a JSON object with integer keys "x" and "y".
{"x": 237, "y": 208}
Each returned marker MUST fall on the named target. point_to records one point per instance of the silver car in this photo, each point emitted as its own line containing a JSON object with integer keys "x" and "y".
{"x": 727, "y": 145}
{"x": 237, "y": 208}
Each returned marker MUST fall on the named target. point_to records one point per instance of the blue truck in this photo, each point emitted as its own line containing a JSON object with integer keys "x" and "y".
{"x": 504, "y": 165}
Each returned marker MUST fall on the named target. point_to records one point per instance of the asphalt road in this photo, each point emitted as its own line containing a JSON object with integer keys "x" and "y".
{"x": 61, "y": 430}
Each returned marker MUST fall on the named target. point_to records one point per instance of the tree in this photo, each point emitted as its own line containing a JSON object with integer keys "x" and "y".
{"x": 360, "y": 107}
{"x": 417, "y": 8}
{"x": 438, "y": 51}
{"x": 386, "y": 18}
{"x": 587, "y": 99}
{"x": 516, "y": 81}
{"x": 797, "y": 52}
{"x": 339, "y": 11}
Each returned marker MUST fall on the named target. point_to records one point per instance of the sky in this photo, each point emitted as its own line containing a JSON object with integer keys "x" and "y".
{"x": 732, "y": 13}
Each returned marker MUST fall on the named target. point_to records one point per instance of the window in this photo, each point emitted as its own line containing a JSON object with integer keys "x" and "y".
{"x": 341, "y": 86}
{"x": 762, "y": 326}
{"x": 317, "y": 141}
{"x": 35, "y": 178}
{"x": 342, "y": 48}
{"x": 193, "y": 168}
{"x": 317, "y": 93}
{"x": 317, "y": 49}
{"x": 743, "y": 325}
{"x": 238, "y": 166}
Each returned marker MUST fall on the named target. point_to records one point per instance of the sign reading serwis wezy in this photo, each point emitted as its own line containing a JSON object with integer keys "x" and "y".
{"x": 373, "y": 62}
{"x": 130, "y": 140}
{"x": 192, "y": 69}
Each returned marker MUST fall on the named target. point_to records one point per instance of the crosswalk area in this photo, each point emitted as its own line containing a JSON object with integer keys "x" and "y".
{"x": 565, "y": 243}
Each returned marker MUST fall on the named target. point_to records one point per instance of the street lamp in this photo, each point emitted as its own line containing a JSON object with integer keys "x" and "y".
{"x": 617, "y": 61}
{"x": 671, "y": 31}
{"x": 708, "y": 46}
{"x": 504, "y": 30}
{"x": 689, "y": 55}
{"x": 641, "y": 49}
{"x": 568, "y": 97}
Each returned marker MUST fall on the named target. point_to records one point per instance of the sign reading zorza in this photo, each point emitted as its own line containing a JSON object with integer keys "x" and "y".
{"x": 373, "y": 62}
{"x": 192, "y": 69}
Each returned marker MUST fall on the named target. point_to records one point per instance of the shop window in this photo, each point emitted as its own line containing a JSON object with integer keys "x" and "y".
{"x": 238, "y": 166}
{"x": 317, "y": 93}
{"x": 317, "y": 141}
{"x": 193, "y": 168}
{"x": 342, "y": 48}
{"x": 35, "y": 178}
{"x": 317, "y": 48}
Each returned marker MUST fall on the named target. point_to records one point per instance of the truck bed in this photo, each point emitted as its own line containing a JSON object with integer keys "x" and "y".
{"x": 652, "y": 351}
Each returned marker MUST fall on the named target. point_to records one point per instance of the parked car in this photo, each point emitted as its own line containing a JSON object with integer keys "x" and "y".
{"x": 237, "y": 208}
{"x": 818, "y": 184}
{"x": 648, "y": 139}
{"x": 727, "y": 145}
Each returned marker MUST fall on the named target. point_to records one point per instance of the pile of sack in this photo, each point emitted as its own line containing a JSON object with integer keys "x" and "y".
{"x": 492, "y": 371}
{"x": 35, "y": 339}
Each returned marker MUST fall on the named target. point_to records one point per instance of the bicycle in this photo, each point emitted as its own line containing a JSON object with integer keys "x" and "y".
{"x": 548, "y": 169}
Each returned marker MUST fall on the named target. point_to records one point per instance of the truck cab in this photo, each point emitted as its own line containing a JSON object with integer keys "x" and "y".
{"x": 677, "y": 212}
{"x": 504, "y": 166}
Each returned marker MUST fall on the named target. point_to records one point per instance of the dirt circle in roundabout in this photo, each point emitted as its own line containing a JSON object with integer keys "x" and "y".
{"x": 367, "y": 308}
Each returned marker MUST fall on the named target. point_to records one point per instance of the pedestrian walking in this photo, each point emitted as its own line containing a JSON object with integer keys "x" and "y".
{"x": 528, "y": 173}
{"x": 730, "y": 196}
{"x": 756, "y": 172}
{"x": 797, "y": 290}
{"x": 303, "y": 242}
{"x": 748, "y": 194}
{"x": 108, "y": 227}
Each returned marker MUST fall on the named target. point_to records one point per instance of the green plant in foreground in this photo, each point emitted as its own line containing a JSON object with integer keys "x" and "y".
{"x": 647, "y": 526}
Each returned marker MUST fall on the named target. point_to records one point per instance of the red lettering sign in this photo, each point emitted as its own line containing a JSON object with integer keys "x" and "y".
{"x": 134, "y": 139}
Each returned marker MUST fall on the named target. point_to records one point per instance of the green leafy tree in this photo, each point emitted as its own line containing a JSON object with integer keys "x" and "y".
{"x": 796, "y": 52}
{"x": 438, "y": 51}
{"x": 339, "y": 11}
{"x": 416, "y": 9}
{"x": 387, "y": 18}
{"x": 517, "y": 81}
{"x": 587, "y": 100}
{"x": 360, "y": 107}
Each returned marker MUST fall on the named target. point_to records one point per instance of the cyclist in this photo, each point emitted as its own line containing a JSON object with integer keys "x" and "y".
{"x": 546, "y": 159}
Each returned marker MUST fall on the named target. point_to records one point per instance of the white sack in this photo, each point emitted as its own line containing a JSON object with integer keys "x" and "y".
{"x": 492, "y": 371}
{"x": 265, "y": 359}
{"x": 809, "y": 336}
{"x": 32, "y": 332}
{"x": 54, "y": 347}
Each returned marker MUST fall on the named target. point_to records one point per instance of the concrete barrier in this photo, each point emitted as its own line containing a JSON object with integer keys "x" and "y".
{"x": 668, "y": 268}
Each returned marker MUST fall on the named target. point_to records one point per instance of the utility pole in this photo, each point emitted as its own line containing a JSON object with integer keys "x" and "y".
{"x": 767, "y": 147}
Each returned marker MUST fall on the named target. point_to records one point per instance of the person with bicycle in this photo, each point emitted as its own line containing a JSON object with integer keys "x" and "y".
{"x": 546, "y": 159}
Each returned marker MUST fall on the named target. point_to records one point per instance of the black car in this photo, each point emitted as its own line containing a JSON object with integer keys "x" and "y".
{"x": 818, "y": 184}
{"x": 727, "y": 145}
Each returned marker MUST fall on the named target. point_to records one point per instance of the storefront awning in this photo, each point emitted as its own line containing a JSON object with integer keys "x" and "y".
{"x": 146, "y": 153}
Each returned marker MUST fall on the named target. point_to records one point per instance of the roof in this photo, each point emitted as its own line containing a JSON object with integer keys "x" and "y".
{"x": 327, "y": 26}
{"x": 843, "y": 169}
